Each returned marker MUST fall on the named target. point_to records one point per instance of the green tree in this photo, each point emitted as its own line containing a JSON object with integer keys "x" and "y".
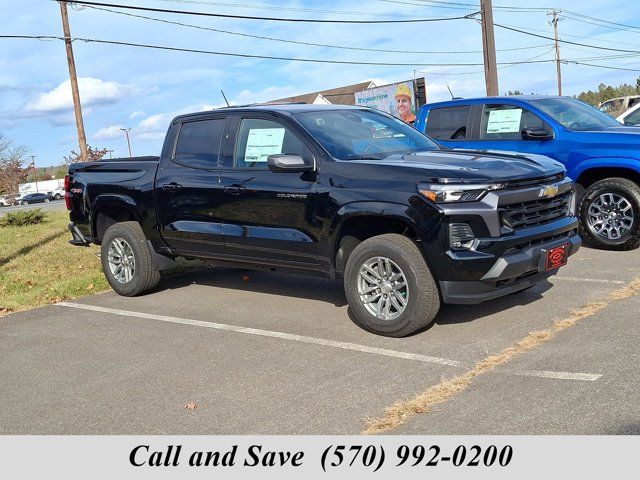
{"x": 607, "y": 92}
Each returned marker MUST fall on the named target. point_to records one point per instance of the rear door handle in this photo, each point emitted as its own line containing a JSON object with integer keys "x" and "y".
{"x": 172, "y": 187}
{"x": 234, "y": 189}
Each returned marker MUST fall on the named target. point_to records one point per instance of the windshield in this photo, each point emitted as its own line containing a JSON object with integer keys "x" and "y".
{"x": 574, "y": 114}
{"x": 363, "y": 134}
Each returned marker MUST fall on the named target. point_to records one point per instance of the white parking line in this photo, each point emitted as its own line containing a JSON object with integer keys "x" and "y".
{"x": 324, "y": 342}
{"x": 589, "y": 280}
{"x": 587, "y": 377}
{"x": 267, "y": 333}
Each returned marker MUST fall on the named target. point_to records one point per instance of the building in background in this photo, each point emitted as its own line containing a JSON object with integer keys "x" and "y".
{"x": 402, "y": 99}
{"x": 337, "y": 96}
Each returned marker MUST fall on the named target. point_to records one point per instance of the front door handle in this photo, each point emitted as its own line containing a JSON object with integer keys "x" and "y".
{"x": 234, "y": 189}
{"x": 171, "y": 187}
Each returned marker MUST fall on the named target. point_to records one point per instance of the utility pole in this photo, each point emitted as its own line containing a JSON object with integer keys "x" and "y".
{"x": 82, "y": 138}
{"x": 126, "y": 132}
{"x": 555, "y": 32}
{"x": 489, "y": 48}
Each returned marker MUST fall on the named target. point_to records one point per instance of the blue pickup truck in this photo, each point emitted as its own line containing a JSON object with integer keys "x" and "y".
{"x": 600, "y": 155}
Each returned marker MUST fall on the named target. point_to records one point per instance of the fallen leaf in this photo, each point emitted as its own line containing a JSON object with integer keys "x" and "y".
{"x": 90, "y": 287}
{"x": 191, "y": 406}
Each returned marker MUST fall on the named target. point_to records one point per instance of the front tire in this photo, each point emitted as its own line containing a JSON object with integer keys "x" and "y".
{"x": 389, "y": 287}
{"x": 126, "y": 260}
{"x": 610, "y": 214}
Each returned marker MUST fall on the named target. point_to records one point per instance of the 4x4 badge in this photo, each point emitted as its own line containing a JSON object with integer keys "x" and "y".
{"x": 548, "y": 191}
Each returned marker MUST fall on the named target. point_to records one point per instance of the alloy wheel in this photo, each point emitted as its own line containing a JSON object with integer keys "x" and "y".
{"x": 610, "y": 216}
{"x": 383, "y": 288}
{"x": 122, "y": 263}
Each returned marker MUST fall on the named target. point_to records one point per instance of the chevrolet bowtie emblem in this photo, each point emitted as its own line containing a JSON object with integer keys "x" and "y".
{"x": 548, "y": 191}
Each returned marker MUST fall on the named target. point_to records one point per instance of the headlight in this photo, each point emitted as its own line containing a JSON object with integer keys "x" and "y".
{"x": 456, "y": 193}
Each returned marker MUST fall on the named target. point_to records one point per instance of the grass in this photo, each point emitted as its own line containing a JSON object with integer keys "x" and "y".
{"x": 38, "y": 266}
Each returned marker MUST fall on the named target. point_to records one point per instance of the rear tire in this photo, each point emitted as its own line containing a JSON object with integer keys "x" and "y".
{"x": 390, "y": 265}
{"x": 126, "y": 260}
{"x": 610, "y": 214}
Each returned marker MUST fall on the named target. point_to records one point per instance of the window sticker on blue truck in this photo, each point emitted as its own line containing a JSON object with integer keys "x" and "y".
{"x": 504, "y": 121}
{"x": 262, "y": 142}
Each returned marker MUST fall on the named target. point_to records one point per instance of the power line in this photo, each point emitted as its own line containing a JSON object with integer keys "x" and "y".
{"x": 609, "y": 67}
{"x": 273, "y": 19}
{"x": 261, "y": 57}
{"x": 340, "y": 62}
{"x": 275, "y": 7}
{"x": 298, "y": 42}
{"x": 565, "y": 41}
{"x": 582, "y": 15}
{"x": 575, "y": 36}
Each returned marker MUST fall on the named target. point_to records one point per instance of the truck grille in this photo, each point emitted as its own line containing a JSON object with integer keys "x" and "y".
{"x": 535, "y": 212}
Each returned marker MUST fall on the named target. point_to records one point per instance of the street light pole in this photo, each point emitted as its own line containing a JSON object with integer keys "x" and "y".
{"x": 35, "y": 172}
{"x": 126, "y": 132}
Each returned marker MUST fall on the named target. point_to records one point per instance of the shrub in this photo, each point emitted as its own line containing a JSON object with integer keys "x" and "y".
{"x": 23, "y": 218}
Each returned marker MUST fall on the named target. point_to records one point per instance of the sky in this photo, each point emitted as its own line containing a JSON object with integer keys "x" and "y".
{"x": 142, "y": 89}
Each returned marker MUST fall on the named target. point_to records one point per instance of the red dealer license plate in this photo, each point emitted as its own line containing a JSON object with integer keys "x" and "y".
{"x": 557, "y": 257}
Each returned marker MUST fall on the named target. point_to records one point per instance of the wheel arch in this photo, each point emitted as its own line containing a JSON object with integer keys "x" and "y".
{"x": 363, "y": 220}
{"x": 110, "y": 209}
{"x": 595, "y": 169}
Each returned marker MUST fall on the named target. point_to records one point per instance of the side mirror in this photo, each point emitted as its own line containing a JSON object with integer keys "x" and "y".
{"x": 288, "y": 163}
{"x": 536, "y": 133}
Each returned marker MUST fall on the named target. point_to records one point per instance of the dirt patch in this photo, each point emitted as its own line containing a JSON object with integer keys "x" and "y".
{"x": 401, "y": 412}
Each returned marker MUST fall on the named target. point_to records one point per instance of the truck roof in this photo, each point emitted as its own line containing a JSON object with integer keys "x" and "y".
{"x": 500, "y": 98}
{"x": 287, "y": 108}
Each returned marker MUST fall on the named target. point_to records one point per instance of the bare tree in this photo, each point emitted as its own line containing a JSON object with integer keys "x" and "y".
{"x": 12, "y": 169}
{"x": 93, "y": 155}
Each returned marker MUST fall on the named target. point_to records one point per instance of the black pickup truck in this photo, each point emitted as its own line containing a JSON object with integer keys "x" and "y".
{"x": 343, "y": 192}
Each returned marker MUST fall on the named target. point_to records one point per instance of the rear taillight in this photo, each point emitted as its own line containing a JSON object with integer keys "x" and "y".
{"x": 67, "y": 193}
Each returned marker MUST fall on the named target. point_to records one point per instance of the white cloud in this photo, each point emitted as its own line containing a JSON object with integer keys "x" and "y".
{"x": 137, "y": 113}
{"x": 108, "y": 133}
{"x": 154, "y": 127}
{"x": 93, "y": 91}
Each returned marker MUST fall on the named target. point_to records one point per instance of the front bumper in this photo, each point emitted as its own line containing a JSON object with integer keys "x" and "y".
{"x": 509, "y": 273}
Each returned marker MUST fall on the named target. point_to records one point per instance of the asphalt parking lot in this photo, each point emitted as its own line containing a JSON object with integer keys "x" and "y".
{"x": 267, "y": 353}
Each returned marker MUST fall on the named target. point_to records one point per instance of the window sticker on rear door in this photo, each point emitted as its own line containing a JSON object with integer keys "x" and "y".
{"x": 504, "y": 121}
{"x": 262, "y": 142}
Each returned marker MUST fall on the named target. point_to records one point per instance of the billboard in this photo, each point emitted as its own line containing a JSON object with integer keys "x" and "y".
{"x": 398, "y": 99}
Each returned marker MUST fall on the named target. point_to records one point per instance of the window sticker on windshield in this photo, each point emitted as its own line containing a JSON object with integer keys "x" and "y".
{"x": 262, "y": 142}
{"x": 504, "y": 121}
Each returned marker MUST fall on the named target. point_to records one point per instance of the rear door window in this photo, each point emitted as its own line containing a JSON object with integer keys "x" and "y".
{"x": 198, "y": 143}
{"x": 449, "y": 123}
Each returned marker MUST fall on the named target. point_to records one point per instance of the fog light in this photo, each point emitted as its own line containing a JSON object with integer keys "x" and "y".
{"x": 461, "y": 236}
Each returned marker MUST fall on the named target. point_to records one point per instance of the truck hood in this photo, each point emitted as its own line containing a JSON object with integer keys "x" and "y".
{"x": 472, "y": 166}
